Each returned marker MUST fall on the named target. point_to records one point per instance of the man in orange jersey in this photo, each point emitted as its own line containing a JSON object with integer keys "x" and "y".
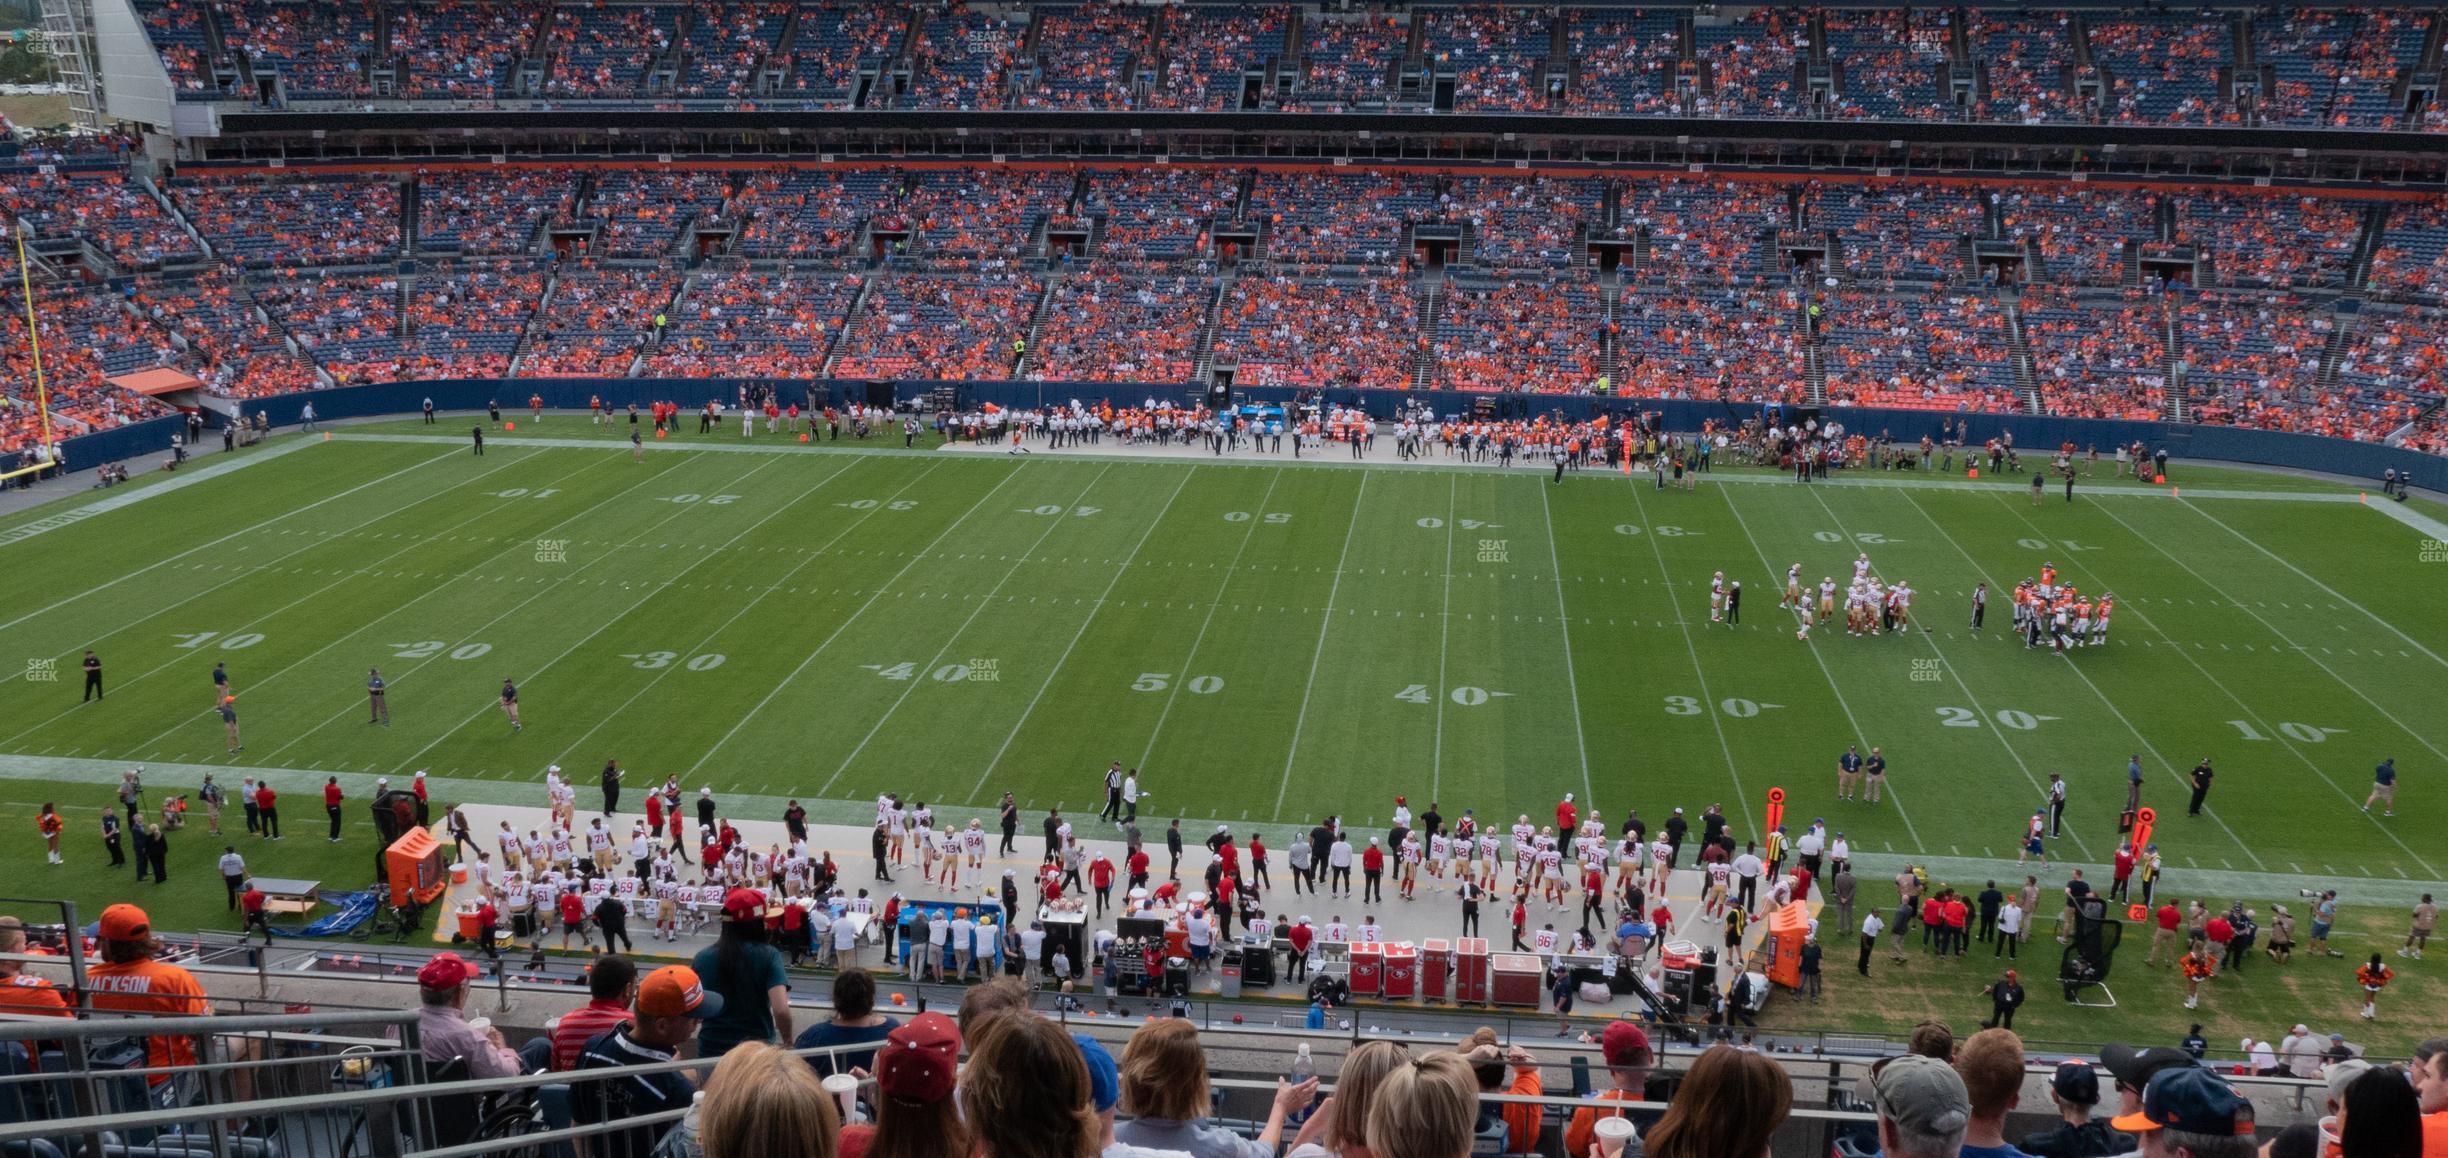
{"x": 129, "y": 980}
{"x": 22, "y": 994}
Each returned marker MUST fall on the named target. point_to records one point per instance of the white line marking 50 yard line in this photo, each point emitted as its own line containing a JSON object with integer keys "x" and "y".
{"x": 1572, "y": 683}
{"x": 240, "y": 533}
{"x": 1949, "y": 665}
{"x": 1248, "y": 531}
{"x": 623, "y": 614}
{"x": 2105, "y": 699}
{"x": 1716, "y": 719}
{"x": 937, "y": 659}
{"x": 1830, "y": 675}
{"x": 750, "y": 604}
{"x": 1301, "y": 721}
{"x": 838, "y": 628}
{"x": 1082, "y": 633}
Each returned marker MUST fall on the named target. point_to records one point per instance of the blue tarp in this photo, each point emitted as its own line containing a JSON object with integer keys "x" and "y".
{"x": 349, "y": 910}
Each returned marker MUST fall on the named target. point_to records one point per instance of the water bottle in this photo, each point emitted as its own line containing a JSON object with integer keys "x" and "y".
{"x": 687, "y": 1142}
{"x": 1303, "y": 1067}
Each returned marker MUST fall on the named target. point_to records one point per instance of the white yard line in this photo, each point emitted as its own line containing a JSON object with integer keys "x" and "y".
{"x": 1082, "y": 633}
{"x": 1436, "y": 766}
{"x": 2274, "y": 733}
{"x": 1301, "y": 721}
{"x": 1052, "y": 525}
{"x": 619, "y": 617}
{"x": 568, "y": 753}
{"x": 253, "y": 684}
{"x": 1248, "y": 532}
{"x": 1572, "y": 683}
{"x": 2332, "y": 592}
{"x": 1990, "y": 726}
{"x": 1841, "y": 703}
{"x": 1742, "y": 799}
{"x": 847, "y": 620}
{"x": 133, "y": 495}
{"x": 153, "y": 612}
{"x": 2105, "y": 699}
{"x": 239, "y": 533}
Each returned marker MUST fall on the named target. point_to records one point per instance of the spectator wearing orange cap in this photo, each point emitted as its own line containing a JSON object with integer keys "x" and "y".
{"x": 1628, "y": 1059}
{"x": 129, "y": 980}
{"x": 442, "y": 1025}
{"x": 671, "y": 1001}
{"x": 747, "y": 973}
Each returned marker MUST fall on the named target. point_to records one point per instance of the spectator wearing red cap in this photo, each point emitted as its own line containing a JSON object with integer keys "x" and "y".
{"x": 671, "y": 1001}
{"x": 129, "y": 980}
{"x": 2005, "y": 996}
{"x": 1628, "y": 1058}
{"x": 915, "y": 1115}
{"x": 747, "y": 973}
{"x": 612, "y": 984}
{"x": 442, "y": 987}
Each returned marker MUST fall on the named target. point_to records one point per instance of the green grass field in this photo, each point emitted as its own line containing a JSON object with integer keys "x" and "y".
{"x": 1268, "y": 643}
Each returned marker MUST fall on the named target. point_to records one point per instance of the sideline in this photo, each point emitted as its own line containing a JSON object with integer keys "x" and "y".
{"x": 1192, "y": 455}
{"x": 1871, "y": 868}
{"x": 136, "y": 495}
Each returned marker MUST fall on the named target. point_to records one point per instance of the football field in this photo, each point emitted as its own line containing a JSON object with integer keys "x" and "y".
{"x": 1267, "y": 643}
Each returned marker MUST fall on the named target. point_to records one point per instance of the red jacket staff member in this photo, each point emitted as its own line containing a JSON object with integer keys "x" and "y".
{"x": 331, "y": 805}
{"x": 267, "y": 810}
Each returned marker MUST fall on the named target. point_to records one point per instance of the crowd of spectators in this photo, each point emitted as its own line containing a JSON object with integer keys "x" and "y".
{"x": 1113, "y": 327}
{"x": 2266, "y": 343}
{"x": 1890, "y": 59}
{"x": 1347, "y": 61}
{"x": 727, "y": 43}
{"x": 458, "y": 50}
{"x": 1943, "y": 350}
{"x": 1496, "y": 55}
{"x": 1340, "y": 218}
{"x": 82, "y": 333}
{"x": 2163, "y": 68}
{"x": 350, "y": 323}
{"x": 1087, "y": 57}
{"x": 467, "y": 316}
{"x": 963, "y": 60}
{"x": 1896, "y": 231}
{"x": 978, "y": 216}
{"x": 595, "y": 321}
{"x": 1285, "y": 332}
{"x": 104, "y": 207}
{"x": 940, "y": 326}
{"x": 1519, "y": 334}
{"x": 601, "y": 50}
{"x": 2412, "y": 259}
{"x": 318, "y": 50}
{"x": 1524, "y": 221}
{"x": 480, "y": 211}
{"x": 2273, "y": 242}
{"x": 812, "y": 213}
{"x": 2097, "y": 359}
{"x": 740, "y": 321}
{"x": 1627, "y": 62}
{"x": 177, "y": 30}
{"x": 1209, "y": 50}
{"x": 643, "y": 211}
{"x": 836, "y": 40}
{"x": 1702, "y": 229}
{"x": 1702, "y": 340}
{"x": 1750, "y": 63}
{"x": 2082, "y": 233}
{"x": 2029, "y": 58}
{"x": 326, "y": 221}
{"x": 221, "y": 337}
{"x": 1160, "y": 213}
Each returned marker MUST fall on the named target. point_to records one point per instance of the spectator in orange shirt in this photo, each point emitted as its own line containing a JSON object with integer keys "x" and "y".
{"x": 1628, "y": 1057}
{"x": 1488, "y": 1064}
{"x": 129, "y": 980}
{"x": 22, "y": 993}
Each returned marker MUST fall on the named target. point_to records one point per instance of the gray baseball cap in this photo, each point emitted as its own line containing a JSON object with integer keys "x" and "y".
{"x": 1920, "y": 1094}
